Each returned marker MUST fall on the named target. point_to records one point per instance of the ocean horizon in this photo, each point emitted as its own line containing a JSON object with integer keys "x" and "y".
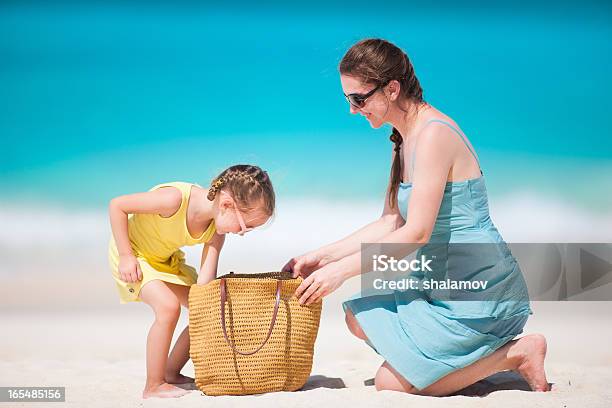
{"x": 102, "y": 99}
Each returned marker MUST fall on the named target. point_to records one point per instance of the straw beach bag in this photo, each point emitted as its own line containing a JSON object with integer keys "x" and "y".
{"x": 249, "y": 335}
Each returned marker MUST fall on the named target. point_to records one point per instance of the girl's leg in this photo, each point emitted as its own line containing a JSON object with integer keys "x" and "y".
{"x": 180, "y": 352}
{"x": 525, "y": 355}
{"x": 167, "y": 309}
{"x": 177, "y": 360}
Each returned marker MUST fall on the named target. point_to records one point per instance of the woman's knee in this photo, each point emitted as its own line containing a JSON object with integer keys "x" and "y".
{"x": 353, "y": 325}
{"x": 387, "y": 378}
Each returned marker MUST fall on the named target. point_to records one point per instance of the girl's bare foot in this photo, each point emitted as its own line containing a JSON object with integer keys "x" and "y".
{"x": 529, "y": 353}
{"x": 178, "y": 379}
{"x": 163, "y": 390}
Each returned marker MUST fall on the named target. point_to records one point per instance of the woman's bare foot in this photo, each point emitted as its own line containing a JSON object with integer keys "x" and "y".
{"x": 178, "y": 379}
{"x": 529, "y": 353}
{"x": 163, "y": 390}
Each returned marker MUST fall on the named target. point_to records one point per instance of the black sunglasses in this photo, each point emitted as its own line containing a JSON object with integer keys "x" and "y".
{"x": 359, "y": 100}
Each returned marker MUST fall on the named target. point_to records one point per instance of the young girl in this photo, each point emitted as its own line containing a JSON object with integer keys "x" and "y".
{"x": 147, "y": 264}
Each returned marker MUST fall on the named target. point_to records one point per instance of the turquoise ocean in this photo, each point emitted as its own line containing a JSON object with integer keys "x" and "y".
{"x": 100, "y": 99}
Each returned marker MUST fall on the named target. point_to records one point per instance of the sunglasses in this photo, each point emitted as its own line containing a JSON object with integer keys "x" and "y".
{"x": 243, "y": 228}
{"x": 359, "y": 100}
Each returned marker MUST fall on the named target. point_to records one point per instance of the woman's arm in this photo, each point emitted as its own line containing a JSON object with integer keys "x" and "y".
{"x": 390, "y": 220}
{"x": 351, "y": 244}
{"x": 425, "y": 199}
{"x": 163, "y": 201}
{"x": 309, "y": 262}
{"x": 210, "y": 259}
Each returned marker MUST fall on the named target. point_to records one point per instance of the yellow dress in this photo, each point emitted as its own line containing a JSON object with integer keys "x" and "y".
{"x": 156, "y": 243}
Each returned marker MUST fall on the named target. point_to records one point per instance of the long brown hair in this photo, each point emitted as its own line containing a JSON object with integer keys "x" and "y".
{"x": 249, "y": 185}
{"x": 378, "y": 62}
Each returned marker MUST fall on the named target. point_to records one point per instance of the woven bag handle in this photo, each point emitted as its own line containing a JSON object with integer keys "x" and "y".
{"x": 274, "y": 314}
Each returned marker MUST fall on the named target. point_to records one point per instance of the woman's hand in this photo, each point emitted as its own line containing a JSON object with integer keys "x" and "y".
{"x": 129, "y": 268}
{"x": 306, "y": 264}
{"x": 320, "y": 283}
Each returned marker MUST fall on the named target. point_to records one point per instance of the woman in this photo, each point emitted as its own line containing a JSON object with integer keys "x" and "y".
{"x": 437, "y": 194}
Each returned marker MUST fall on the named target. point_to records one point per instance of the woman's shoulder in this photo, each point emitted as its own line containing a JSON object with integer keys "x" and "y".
{"x": 439, "y": 129}
{"x": 438, "y": 139}
{"x": 435, "y": 121}
{"x": 441, "y": 139}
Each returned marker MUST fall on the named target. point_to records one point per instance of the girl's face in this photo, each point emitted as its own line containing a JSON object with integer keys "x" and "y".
{"x": 375, "y": 108}
{"x": 230, "y": 219}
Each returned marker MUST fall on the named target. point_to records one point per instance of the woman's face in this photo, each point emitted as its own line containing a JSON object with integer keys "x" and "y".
{"x": 376, "y": 106}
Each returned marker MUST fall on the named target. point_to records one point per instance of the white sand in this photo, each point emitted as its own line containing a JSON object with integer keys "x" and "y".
{"x": 96, "y": 350}
{"x": 62, "y": 325}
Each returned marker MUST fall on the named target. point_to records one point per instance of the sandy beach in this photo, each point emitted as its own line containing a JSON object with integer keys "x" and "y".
{"x": 102, "y": 99}
{"x": 98, "y": 355}
{"x": 63, "y": 326}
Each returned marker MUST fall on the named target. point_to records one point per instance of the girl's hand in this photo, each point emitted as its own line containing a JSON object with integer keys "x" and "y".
{"x": 129, "y": 268}
{"x": 306, "y": 264}
{"x": 320, "y": 283}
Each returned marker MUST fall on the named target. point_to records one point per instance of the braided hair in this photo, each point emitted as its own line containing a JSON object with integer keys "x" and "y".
{"x": 249, "y": 185}
{"x": 378, "y": 62}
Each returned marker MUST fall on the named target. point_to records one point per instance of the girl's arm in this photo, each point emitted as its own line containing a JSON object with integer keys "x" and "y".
{"x": 210, "y": 259}
{"x": 163, "y": 201}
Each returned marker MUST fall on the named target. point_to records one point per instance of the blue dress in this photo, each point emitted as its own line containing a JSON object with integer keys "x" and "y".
{"x": 427, "y": 335}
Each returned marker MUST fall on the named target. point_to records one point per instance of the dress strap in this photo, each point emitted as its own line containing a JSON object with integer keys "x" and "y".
{"x": 463, "y": 138}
